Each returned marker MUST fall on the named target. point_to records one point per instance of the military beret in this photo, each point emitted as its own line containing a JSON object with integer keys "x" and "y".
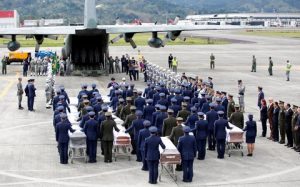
{"x": 170, "y": 111}
{"x": 89, "y": 108}
{"x": 193, "y": 109}
{"x": 91, "y": 113}
{"x": 121, "y": 100}
{"x": 93, "y": 85}
{"x": 107, "y": 114}
{"x": 63, "y": 115}
{"x": 162, "y": 95}
{"x": 220, "y": 112}
{"x": 149, "y": 101}
{"x": 139, "y": 113}
{"x": 186, "y": 98}
{"x": 61, "y": 97}
{"x": 184, "y": 104}
{"x": 128, "y": 99}
{"x": 186, "y": 129}
{"x": 200, "y": 114}
{"x": 162, "y": 107}
{"x": 153, "y": 129}
{"x": 132, "y": 108}
{"x": 60, "y": 108}
{"x": 173, "y": 100}
{"x": 146, "y": 123}
{"x": 179, "y": 119}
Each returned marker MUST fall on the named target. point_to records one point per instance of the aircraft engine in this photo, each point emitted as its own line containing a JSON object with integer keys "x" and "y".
{"x": 13, "y": 45}
{"x": 39, "y": 39}
{"x": 155, "y": 42}
{"x": 173, "y": 35}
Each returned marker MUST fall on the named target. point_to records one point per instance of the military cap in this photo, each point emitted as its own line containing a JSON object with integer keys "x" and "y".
{"x": 184, "y": 104}
{"x": 224, "y": 92}
{"x": 177, "y": 91}
{"x": 295, "y": 106}
{"x": 84, "y": 86}
{"x": 61, "y": 86}
{"x": 173, "y": 100}
{"x": 162, "y": 95}
{"x": 107, "y": 114}
{"x": 99, "y": 98}
{"x": 281, "y": 102}
{"x": 61, "y": 97}
{"x": 230, "y": 95}
{"x": 186, "y": 129}
{"x": 149, "y": 101}
{"x": 132, "y": 108}
{"x": 153, "y": 129}
{"x": 197, "y": 105}
{"x": 162, "y": 107}
{"x": 86, "y": 101}
{"x": 84, "y": 96}
{"x": 131, "y": 85}
{"x": 63, "y": 115}
{"x": 95, "y": 93}
{"x": 147, "y": 123}
{"x": 121, "y": 100}
{"x": 210, "y": 78}
{"x": 139, "y": 113}
{"x": 134, "y": 91}
{"x": 220, "y": 112}
{"x": 60, "y": 108}
{"x": 58, "y": 91}
{"x": 104, "y": 108}
{"x": 140, "y": 92}
{"x": 186, "y": 98}
{"x": 91, "y": 113}
{"x": 158, "y": 88}
{"x": 89, "y": 108}
{"x": 117, "y": 92}
{"x": 123, "y": 79}
{"x": 170, "y": 111}
{"x": 179, "y": 119}
{"x": 128, "y": 99}
{"x": 193, "y": 109}
{"x": 236, "y": 106}
{"x": 212, "y": 105}
{"x": 172, "y": 90}
{"x": 94, "y": 85}
{"x": 200, "y": 114}
{"x": 218, "y": 99}
{"x": 157, "y": 106}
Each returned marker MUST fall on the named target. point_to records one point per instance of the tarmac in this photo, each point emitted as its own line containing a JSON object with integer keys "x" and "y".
{"x": 28, "y": 150}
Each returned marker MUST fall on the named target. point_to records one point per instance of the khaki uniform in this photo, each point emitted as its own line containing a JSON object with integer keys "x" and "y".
{"x": 230, "y": 108}
{"x": 176, "y": 133}
{"x": 118, "y": 111}
{"x": 237, "y": 119}
{"x": 295, "y": 133}
{"x": 184, "y": 114}
{"x": 125, "y": 112}
{"x": 168, "y": 125}
{"x": 129, "y": 120}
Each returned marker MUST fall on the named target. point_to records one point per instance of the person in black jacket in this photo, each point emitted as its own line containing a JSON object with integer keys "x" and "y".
{"x": 251, "y": 131}
{"x": 264, "y": 117}
{"x": 275, "y": 122}
{"x": 288, "y": 124}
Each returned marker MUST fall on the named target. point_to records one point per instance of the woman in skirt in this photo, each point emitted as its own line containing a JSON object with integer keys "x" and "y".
{"x": 251, "y": 132}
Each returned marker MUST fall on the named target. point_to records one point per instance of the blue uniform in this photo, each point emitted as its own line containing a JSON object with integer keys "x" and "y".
{"x": 163, "y": 102}
{"x": 187, "y": 148}
{"x": 143, "y": 134}
{"x": 191, "y": 120}
{"x": 63, "y": 92}
{"x": 140, "y": 103}
{"x": 156, "y": 98}
{"x": 261, "y": 96}
{"x": 151, "y": 94}
{"x": 97, "y": 108}
{"x": 219, "y": 107}
{"x": 220, "y": 134}
{"x": 84, "y": 119}
{"x": 91, "y": 131}
{"x": 136, "y": 126}
{"x": 201, "y": 131}
{"x": 205, "y": 107}
{"x": 154, "y": 115}
{"x": 179, "y": 99}
{"x": 152, "y": 156}
{"x": 148, "y": 111}
{"x": 201, "y": 102}
{"x": 211, "y": 117}
{"x": 176, "y": 108}
{"x": 169, "y": 99}
{"x": 164, "y": 90}
{"x": 114, "y": 103}
{"x": 82, "y": 92}
{"x": 194, "y": 100}
{"x": 225, "y": 105}
{"x": 146, "y": 91}
{"x": 31, "y": 96}
{"x": 160, "y": 121}
{"x": 62, "y": 137}
{"x": 188, "y": 93}
{"x": 251, "y": 131}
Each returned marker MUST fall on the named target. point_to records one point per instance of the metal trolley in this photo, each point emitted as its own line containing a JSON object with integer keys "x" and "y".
{"x": 77, "y": 146}
{"x": 122, "y": 147}
{"x": 234, "y": 142}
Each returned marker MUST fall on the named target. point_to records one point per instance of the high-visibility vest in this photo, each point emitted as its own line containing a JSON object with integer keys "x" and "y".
{"x": 288, "y": 67}
{"x": 174, "y": 62}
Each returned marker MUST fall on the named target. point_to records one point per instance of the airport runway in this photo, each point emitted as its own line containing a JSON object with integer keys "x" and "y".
{"x": 28, "y": 149}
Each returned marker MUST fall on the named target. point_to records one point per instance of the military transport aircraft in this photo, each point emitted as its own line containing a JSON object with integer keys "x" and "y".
{"x": 87, "y": 46}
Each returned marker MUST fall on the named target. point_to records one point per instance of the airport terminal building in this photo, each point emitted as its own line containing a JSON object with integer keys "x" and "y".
{"x": 9, "y": 19}
{"x": 254, "y": 19}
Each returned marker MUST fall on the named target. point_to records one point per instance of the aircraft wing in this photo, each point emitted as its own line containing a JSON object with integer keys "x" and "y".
{"x": 59, "y": 30}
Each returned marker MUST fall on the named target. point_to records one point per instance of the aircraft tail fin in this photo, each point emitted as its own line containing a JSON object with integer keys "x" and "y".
{"x": 90, "y": 17}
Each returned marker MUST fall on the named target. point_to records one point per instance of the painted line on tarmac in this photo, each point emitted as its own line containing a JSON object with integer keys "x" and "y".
{"x": 59, "y": 181}
{"x": 8, "y": 87}
{"x": 28, "y": 125}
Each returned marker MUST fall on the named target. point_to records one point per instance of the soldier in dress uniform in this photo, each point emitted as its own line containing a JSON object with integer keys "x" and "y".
{"x": 128, "y": 121}
{"x": 120, "y": 107}
{"x": 174, "y": 106}
{"x": 281, "y": 120}
{"x": 241, "y": 94}
{"x": 237, "y": 118}
{"x": 126, "y": 109}
{"x": 193, "y": 117}
{"x": 140, "y": 102}
{"x": 91, "y": 131}
{"x": 224, "y": 103}
{"x": 169, "y": 123}
{"x": 230, "y": 107}
{"x": 62, "y": 137}
{"x": 270, "y": 69}
{"x": 152, "y": 154}
{"x": 220, "y": 134}
{"x": 20, "y": 93}
{"x": 160, "y": 117}
{"x": 184, "y": 113}
{"x": 187, "y": 148}
{"x": 211, "y": 117}
{"x": 253, "y": 69}
{"x": 275, "y": 122}
{"x": 143, "y": 134}
{"x": 295, "y": 132}
{"x": 261, "y": 96}
{"x": 270, "y": 117}
{"x": 107, "y": 136}
{"x": 201, "y": 133}
{"x": 136, "y": 126}
{"x": 149, "y": 110}
{"x": 176, "y": 133}
{"x": 288, "y": 124}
